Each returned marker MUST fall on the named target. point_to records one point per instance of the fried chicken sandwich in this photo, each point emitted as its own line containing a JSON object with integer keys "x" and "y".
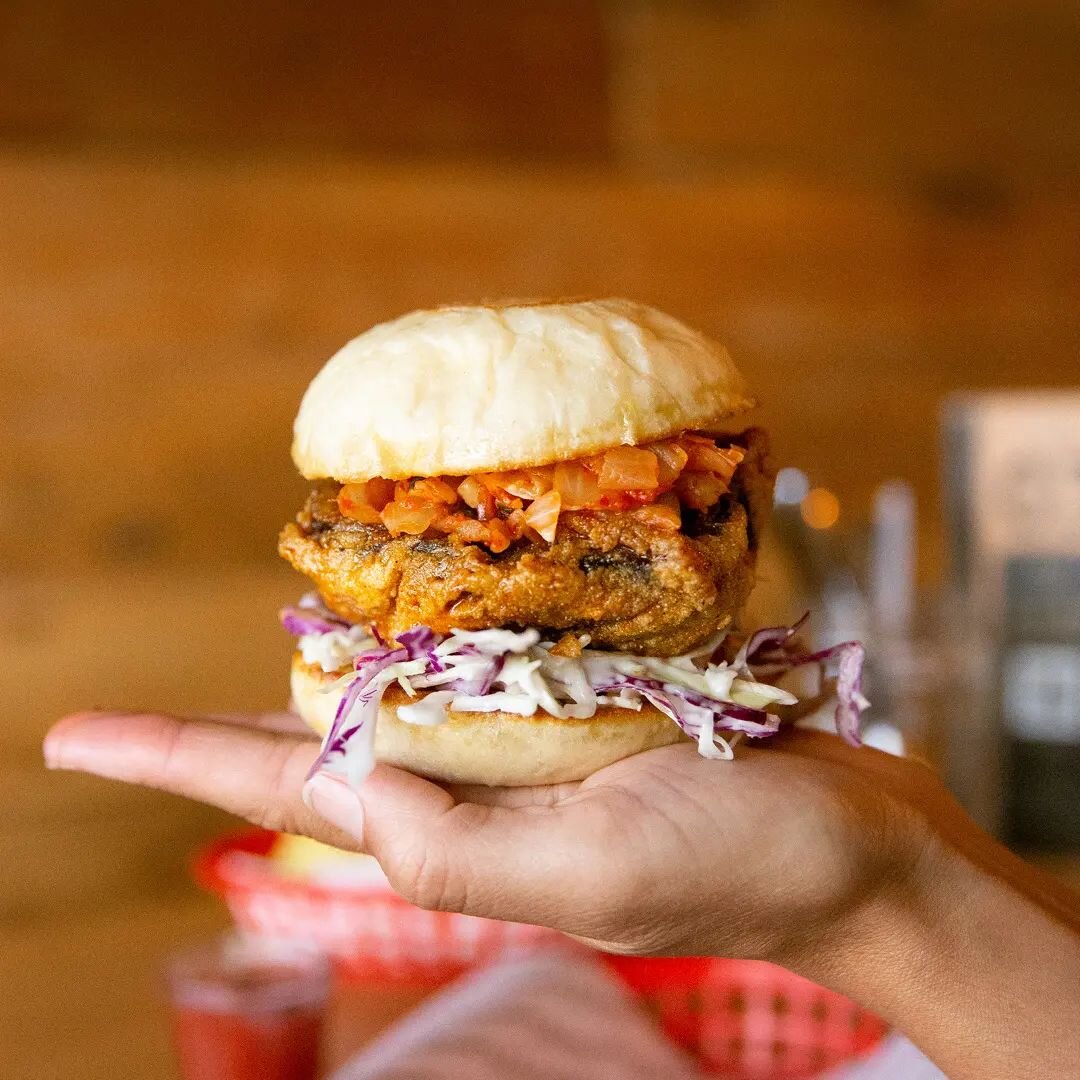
{"x": 531, "y": 531}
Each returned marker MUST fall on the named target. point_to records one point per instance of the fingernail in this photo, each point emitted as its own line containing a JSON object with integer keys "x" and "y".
{"x": 50, "y": 750}
{"x": 62, "y": 752}
{"x": 335, "y": 801}
{"x": 66, "y": 747}
{"x": 72, "y": 756}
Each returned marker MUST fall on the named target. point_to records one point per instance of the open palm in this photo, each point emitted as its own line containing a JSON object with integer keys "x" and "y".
{"x": 664, "y": 852}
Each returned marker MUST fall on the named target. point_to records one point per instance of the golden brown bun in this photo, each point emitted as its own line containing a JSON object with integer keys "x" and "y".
{"x": 499, "y": 749}
{"x": 462, "y": 390}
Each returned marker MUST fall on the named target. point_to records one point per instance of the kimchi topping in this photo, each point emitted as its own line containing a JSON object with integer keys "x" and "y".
{"x": 654, "y": 481}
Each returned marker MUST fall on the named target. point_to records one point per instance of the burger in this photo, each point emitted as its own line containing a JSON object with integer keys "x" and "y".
{"x": 531, "y": 530}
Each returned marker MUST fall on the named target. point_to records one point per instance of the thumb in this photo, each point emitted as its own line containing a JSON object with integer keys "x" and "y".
{"x": 444, "y": 855}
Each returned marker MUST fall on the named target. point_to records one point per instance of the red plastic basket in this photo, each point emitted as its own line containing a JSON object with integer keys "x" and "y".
{"x": 370, "y": 933}
{"x": 739, "y": 1019}
{"x": 748, "y": 1020}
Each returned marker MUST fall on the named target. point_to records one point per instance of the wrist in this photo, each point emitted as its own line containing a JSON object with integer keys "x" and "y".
{"x": 884, "y": 947}
{"x": 970, "y": 952}
{"x": 881, "y": 940}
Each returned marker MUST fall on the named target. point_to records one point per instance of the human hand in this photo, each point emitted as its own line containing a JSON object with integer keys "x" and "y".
{"x": 851, "y": 867}
{"x": 663, "y": 853}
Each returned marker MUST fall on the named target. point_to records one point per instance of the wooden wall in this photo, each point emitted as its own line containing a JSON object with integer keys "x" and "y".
{"x": 872, "y": 203}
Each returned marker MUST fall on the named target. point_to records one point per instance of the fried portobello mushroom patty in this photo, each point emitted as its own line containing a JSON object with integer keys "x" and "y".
{"x": 629, "y": 585}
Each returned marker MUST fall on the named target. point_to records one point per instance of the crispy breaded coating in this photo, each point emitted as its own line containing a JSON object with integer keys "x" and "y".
{"x": 629, "y": 585}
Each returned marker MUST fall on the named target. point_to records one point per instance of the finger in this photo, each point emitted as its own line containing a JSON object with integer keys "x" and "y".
{"x": 286, "y": 722}
{"x": 494, "y": 861}
{"x": 255, "y": 774}
{"x": 437, "y": 852}
{"x": 279, "y": 720}
{"x": 825, "y": 746}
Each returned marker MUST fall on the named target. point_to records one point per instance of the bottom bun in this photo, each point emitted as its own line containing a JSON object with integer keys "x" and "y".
{"x": 496, "y": 748}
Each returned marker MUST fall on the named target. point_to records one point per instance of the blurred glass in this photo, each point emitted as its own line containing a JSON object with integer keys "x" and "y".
{"x": 979, "y": 678}
{"x": 858, "y": 580}
{"x": 922, "y": 683}
{"x": 248, "y": 1009}
{"x": 1012, "y": 489}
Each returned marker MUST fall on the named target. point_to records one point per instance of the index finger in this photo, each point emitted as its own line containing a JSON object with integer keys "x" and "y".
{"x": 438, "y": 851}
{"x": 254, "y": 772}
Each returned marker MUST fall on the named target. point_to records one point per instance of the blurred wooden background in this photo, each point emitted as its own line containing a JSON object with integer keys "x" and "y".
{"x": 872, "y": 203}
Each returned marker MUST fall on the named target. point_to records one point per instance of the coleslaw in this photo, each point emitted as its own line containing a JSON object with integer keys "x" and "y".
{"x": 714, "y": 701}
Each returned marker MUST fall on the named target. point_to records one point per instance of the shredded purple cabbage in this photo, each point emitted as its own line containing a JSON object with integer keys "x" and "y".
{"x": 311, "y": 616}
{"x": 766, "y": 641}
{"x": 680, "y": 704}
{"x": 449, "y": 667}
{"x": 419, "y": 641}
{"x": 850, "y": 702}
{"x": 299, "y": 622}
{"x": 769, "y": 653}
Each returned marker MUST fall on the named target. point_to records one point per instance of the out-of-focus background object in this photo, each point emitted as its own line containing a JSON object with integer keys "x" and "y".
{"x": 281, "y": 887}
{"x": 740, "y": 1019}
{"x": 247, "y": 1008}
{"x": 873, "y": 206}
{"x": 564, "y": 1017}
{"x": 1012, "y": 472}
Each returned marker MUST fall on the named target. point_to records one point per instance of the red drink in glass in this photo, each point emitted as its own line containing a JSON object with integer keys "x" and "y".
{"x": 245, "y": 1009}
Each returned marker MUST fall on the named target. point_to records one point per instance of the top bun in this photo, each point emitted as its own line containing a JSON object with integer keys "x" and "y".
{"x": 462, "y": 390}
